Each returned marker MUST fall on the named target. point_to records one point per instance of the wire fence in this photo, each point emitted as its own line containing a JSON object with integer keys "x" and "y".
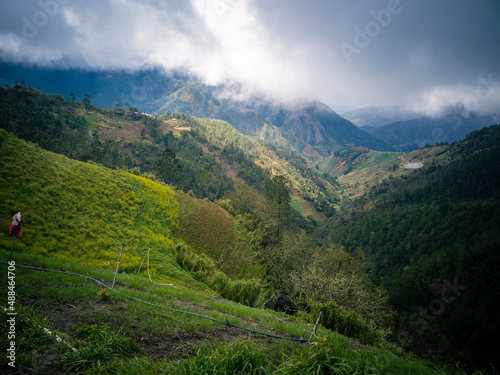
{"x": 223, "y": 322}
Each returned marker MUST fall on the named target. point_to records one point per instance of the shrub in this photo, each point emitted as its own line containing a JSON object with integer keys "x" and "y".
{"x": 226, "y": 204}
{"x": 220, "y": 282}
{"x": 192, "y": 262}
{"x": 150, "y": 176}
{"x": 135, "y": 171}
{"x": 246, "y": 292}
{"x": 345, "y": 322}
{"x": 243, "y": 291}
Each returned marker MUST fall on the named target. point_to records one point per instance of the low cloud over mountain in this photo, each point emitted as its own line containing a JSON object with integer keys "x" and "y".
{"x": 342, "y": 53}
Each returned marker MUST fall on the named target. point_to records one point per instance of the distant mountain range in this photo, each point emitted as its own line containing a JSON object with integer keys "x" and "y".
{"x": 320, "y": 127}
{"x": 311, "y": 128}
{"x": 412, "y": 134}
{"x": 406, "y": 130}
{"x": 380, "y": 115}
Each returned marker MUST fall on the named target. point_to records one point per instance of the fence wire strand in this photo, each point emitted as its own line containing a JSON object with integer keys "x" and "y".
{"x": 224, "y": 322}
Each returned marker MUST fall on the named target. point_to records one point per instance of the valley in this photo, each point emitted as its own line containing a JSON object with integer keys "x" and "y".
{"x": 249, "y": 187}
{"x": 244, "y": 231}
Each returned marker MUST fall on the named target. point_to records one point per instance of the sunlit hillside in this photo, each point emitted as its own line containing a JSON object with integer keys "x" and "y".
{"x": 83, "y": 212}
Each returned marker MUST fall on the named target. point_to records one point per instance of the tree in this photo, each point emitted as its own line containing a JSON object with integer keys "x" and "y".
{"x": 351, "y": 291}
{"x": 278, "y": 200}
{"x": 338, "y": 260}
{"x": 72, "y": 96}
{"x": 208, "y": 182}
{"x": 168, "y": 167}
{"x": 86, "y": 100}
{"x": 118, "y": 103}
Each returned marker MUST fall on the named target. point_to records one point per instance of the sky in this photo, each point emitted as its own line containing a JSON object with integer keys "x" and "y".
{"x": 425, "y": 54}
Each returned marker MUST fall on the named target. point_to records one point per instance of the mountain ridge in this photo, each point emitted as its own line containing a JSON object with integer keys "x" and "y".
{"x": 412, "y": 134}
{"x": 154, "y": 92}
{"x": 375, "y": 116}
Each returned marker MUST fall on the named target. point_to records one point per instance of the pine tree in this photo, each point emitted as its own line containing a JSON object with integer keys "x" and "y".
{"x": 278, "y": 199}
{"x": 86, "y": 100}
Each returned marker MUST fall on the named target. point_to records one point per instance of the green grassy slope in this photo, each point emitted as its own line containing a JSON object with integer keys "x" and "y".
{"x": 118, "y": 138}
{"x": 83, "y": 212}
{"x": 301, "y": 178}
{"x": 210, "y": 230}
{"x": 167, "y": 331}
{"x": 358, "y": 169}
{"x": 76, "y": 216}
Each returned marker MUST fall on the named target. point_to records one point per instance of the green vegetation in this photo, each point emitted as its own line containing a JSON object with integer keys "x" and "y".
{"x": 405, "y": 262}
{"x": 345, "y": 322}
{"x": 83, "y": 212}
{"x": 209, "y": 230}
{"x": 98, "y": 345}
{"x": 184, "y": 164}
{"x": 358, "y": 169}
{"x": 100, "y": 208}
{"x": 378, "y": 157}
{"x": 281, "y": 162}
{"x": 108, "y": 333}
{"x": 196, "y": 158}
{"x": 297, "y": 204}
{"x": 431, "y": 240}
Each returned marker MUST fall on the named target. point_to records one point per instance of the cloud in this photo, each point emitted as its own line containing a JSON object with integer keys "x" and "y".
{"x": 235, "y": 47}
{"x": 424, "y": 54}
{"x": 483, "y": 97}
{"x": 216, "y": 41}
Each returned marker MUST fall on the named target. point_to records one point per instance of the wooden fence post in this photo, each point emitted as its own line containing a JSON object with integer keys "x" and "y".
{"x": 316, "y": 325}
{"x": 143, "y": 259}
{"x": 118, "y": 265}
{"x": 12, "y": 247}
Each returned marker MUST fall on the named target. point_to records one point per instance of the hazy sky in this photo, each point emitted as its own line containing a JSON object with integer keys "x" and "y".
{"x": 425, "y": 53}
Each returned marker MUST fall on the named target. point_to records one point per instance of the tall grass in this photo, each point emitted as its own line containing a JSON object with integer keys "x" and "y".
{"x": 97, "y": 346}
{"x": 237, "y": 358}
{"x": 246, "y": 291}
{"x": 106, "y": 346}
{"x": 345, "y": 322}
{"x": 82, "y": 212}
{"x": 320, "y": 361}
{"x": 31, "y": 339}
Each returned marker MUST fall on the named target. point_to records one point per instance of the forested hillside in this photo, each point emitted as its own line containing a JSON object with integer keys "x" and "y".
{"x": 309, "y": 127}
{"x": 249, "y": 187}
{"x": 196, "y": 155}
{"x": 431, "y": 239}
{"x": 188, "y": 153}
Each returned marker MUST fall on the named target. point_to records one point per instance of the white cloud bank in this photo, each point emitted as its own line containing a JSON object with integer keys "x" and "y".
{"x": 421, "y": 54}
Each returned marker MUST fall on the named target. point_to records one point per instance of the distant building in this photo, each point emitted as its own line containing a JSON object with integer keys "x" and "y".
{"x": 413, "y": 165}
